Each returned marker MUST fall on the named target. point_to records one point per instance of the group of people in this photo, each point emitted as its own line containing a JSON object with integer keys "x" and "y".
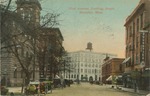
{"x": 36, "y": 89}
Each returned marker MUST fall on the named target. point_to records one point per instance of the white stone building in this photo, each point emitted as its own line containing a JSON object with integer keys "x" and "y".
{"x": 86, "y": 64}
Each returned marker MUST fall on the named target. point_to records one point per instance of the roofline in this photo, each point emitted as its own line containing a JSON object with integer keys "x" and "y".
{"x": 93, "y": 52}
{"x": 140, "y": 5}
{"x": 47, "y": 28}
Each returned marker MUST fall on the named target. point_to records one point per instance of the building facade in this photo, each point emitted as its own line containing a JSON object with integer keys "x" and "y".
{"x": 86, "y": 65}
{"x": 112, "y": 68}
{"x": 138, "y": 42}
{"x": 29, "y": 11}
{"x": 26, "y": 22}
{"x": 51, "y": 50}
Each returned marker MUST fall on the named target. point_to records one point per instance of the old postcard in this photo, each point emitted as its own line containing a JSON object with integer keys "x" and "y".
{"x": 75, "y": 47}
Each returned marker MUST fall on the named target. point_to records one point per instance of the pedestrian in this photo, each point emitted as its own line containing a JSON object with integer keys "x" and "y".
{"x": 12, "y": 94}
{"x": 46, "y": 88}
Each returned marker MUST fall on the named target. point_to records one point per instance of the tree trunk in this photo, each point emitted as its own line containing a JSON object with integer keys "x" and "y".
{"x": 27, "y": 78}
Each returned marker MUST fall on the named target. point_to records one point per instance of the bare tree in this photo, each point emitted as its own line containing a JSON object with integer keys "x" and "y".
{"x": 21, "y": 40}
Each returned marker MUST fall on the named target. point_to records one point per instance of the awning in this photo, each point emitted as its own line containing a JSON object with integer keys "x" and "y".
{"x": 109, "y": 78}
{"x": 35, "y": 82}
{"x": 146, "y": 73}
{"x": 119, "y": 76}
{"x": 126, "y": 60}
{"x": 57, "y": 77}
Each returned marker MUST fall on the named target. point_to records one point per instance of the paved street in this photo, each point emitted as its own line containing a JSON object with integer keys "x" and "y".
{"x": 85, "y": 89}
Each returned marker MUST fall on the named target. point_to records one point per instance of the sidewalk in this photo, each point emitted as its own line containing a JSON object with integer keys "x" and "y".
{"x": 14, "y": 89}
{"x": 140, "y": 92}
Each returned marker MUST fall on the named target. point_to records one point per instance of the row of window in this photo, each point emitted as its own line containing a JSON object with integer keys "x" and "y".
{"x": 86, "y": 60}
{"x": 85, "y": 55}
{"x": 86, "y": 65}
{"x": 90, "y": 71}
{"x": 75, "y": 76}
{"x": 28, "y": 15}
{"x": 135, "y": 26}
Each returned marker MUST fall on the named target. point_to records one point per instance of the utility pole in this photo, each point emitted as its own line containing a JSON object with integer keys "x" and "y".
{"x": 64, "y": 67}
{"x": 34, "y": 41}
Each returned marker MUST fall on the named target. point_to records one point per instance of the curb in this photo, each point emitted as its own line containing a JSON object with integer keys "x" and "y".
{"x": 143, "y": 94}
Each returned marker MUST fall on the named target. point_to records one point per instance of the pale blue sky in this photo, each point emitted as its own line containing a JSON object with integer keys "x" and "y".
{"x": 105, "y": 30}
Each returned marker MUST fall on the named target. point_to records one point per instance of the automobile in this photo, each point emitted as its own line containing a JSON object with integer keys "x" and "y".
{"x": 4, "y": 90}
{"x": 71, "y": 81}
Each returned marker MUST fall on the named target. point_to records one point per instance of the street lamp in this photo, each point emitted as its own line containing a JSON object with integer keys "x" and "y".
{"x": 15, "y": 74}
{"x": 5, "y": 74}
{"x": 95, "y": 75}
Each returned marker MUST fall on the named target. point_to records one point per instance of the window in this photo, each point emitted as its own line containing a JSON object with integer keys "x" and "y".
{"x": 89, "y": 65}
{"x": 96, "y": 65}
{"x": 74, "y": 75}
{"x": 137, "y": 60}
{"x": 89, "y": 71}
{"x": 133, "y": 29}
{"x": 93, "y": 65}
{"x": 130, "y": 31}
{"x": 81, "y": 70}
{"x": 141, "y": 21}
{"x": 93, "y": 71}
{"x": 137, "y": 40}
{"x": 127, "y": 32}
{"x": 85, "y": 65}
{"x": 137, "y": 24}
{"x": 85, "y": 70}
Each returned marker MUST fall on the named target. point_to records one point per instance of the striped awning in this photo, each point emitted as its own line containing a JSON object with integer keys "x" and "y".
{"x": 126, "y": 60}
{"x": 109, "y": 78}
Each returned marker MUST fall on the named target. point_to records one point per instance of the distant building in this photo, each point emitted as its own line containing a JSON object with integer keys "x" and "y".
{"x": 52, "y": 48}
{"x": 86, "y": 65}
{"x": 138, "y": 45}
{"x": 112, "y": 68}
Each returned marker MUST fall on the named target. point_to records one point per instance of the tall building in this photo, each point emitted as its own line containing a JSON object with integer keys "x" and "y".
{"x": 29, "y": 11}
{"x": 138, "y": 43}
{"x": 51, "y": 50}
{"x": 86, "y": 65}
{"x": 22, "y": 25}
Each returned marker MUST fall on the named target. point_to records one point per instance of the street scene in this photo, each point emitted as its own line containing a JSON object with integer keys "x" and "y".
{"x": 89, "y": 90}
{"x": 75, "y": 47}
{"x": 86, "y": 89}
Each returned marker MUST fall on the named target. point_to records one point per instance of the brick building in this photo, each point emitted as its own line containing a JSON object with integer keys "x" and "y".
{"x": 51, "y": 50}
{"x": 26, "y": 22}
{"x": 112, "y": 68}
{"x": 138, "y": 43}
